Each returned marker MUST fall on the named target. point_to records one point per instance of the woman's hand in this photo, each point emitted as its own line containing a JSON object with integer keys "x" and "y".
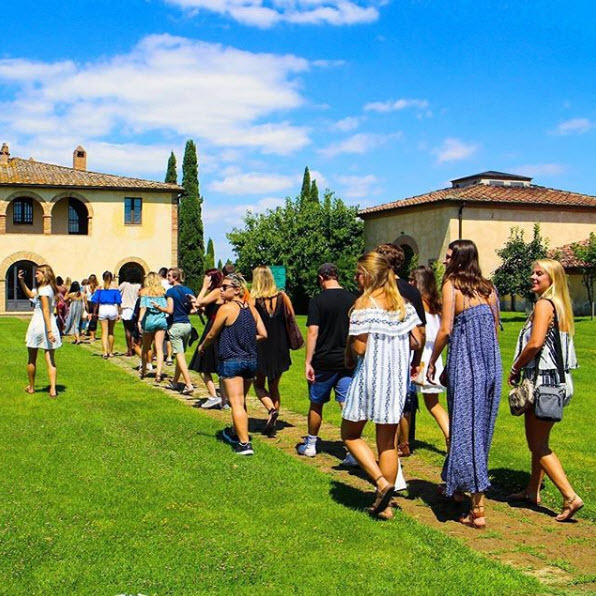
{"x": 51, "y": 337}
{"x": 206, "y": 281}
{"x": 21, "y": 275}
{"x": 514, "y": 376}
{"x": 430, "y": 373}
{"x": 201, "y": 347}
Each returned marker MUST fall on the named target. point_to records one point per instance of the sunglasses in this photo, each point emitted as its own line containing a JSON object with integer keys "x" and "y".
{"x": 226, "y": 286}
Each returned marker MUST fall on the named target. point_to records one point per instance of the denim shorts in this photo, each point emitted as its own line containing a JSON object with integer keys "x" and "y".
{"x": 235, "y": 367}
{"x": 326, "y": 380}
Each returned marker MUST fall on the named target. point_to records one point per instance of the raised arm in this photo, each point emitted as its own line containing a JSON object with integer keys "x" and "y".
{"x": 26, "y": 290}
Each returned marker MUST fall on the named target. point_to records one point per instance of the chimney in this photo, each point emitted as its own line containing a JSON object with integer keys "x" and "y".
{"x": 79, "y": 159}
{"x": 4, "y": 154}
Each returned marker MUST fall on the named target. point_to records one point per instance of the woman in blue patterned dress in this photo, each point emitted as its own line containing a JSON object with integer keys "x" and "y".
{"x": 383, "y": 329}
{"x": 469, "y": 323}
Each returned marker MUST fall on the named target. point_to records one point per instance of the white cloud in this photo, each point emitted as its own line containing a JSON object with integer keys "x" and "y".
{"x": 267, "y": 13}
{"x": 356, "y": 187}
{"x": 346, "y": 124}
{"x": 394, "y": 106}
{"x": 252, "y": 183}
{"x": 232, "y": 215}
{"x": 541, "y": 169}
{"x": 358, "y": 143}
{"x": 574, "y": 126}
{"x": 454, "y": 150}
{"x": 166, "y": 85}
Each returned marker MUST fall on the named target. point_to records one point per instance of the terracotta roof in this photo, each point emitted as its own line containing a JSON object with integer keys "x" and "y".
{"x": 495, "y": 175}
{"x": 483, "y": 193}
{"x": 565, "y": 256}
{"x": 25, "y": 172}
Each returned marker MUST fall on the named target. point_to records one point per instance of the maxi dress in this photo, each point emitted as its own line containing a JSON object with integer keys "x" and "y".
{"x": 473, "y": 393}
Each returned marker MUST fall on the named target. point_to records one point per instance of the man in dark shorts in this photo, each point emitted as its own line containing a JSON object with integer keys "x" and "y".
{"x": 328, "y": 322}
{"x": 396, "y": 257}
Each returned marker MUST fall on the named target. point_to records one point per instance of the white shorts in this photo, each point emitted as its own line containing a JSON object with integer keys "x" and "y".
{"x": 127, "y": 314}
{"x": 107, "y": 311}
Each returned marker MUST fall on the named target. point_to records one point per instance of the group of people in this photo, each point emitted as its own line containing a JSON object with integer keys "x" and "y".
{"x": 371, "y": 350}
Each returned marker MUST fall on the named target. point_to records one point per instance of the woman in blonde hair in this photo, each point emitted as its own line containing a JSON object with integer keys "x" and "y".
{"x": 274, "y": 352}
{"x": 382, "y": 332}
{"x": 152, "y": 321}
{"x": 43, "y": 329}
{"x": 549, "y": 327}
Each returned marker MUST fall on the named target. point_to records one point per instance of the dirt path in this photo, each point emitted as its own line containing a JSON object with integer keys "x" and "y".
{"x": 559, "y": 555}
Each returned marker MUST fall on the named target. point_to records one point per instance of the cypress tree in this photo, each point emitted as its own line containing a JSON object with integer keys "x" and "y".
{"x": 219, "y": 264}
{"x": 314, "y": 192}
{"x": 171, "y": 174}
{"x": 210, "y": 255}
{"x": 305, "y": 191}
{"x": 191, "y": 245}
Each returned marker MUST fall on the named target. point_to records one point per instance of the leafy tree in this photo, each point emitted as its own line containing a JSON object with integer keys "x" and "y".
{"x": 439, "y": 271}
{"x": 210, "y": 255}
{"x": 302, "y": 236}
{"x": 586, "y": 253}
{"x": 191, "y": 246}
{"x": 171, "y": 173}
{"x": 512, "y": 276}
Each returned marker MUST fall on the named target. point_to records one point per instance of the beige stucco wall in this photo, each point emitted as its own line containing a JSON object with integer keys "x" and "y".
{"x": 433, "y": 227}
{"x": 109, "y": 244}
{"x": 429, "y": 227}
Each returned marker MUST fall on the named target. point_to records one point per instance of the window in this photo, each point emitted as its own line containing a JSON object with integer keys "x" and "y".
{"x": 22, "y": 212}
{"x": 77, "y": 218}
{"x": 133, "y": 209}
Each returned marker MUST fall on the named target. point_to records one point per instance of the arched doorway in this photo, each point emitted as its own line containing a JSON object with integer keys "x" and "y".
{"x": 410, "y": 248}
{"x": 131, "y": 272}
{"x": 15, "y": 297}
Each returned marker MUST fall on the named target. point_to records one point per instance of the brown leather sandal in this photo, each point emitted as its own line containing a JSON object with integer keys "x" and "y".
{"x": 403, "y": 450}
{"x": 570, "y": 508}
{"x": 472, "y": 520}
{"x": 383, "y": 498}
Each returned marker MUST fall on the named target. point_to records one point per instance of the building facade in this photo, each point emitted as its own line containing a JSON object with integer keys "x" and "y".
{"x": 80, "y": 222}
{"x": 483, "y": 208}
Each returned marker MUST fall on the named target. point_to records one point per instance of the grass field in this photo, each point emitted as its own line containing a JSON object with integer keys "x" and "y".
{"x": 115, "y": 488}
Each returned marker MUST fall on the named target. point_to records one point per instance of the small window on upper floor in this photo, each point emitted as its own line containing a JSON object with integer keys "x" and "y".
{"x": 133, "y": 211}
{"x": 22, "y": 212}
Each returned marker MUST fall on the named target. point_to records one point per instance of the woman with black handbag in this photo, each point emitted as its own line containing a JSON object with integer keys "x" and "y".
{"x": 545, "y": 355}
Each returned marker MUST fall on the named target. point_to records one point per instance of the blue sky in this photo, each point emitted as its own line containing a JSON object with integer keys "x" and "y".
{"x": 381, "y": 99}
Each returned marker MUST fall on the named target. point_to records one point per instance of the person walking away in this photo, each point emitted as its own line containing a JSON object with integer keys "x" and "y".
{"x": 107, "y": 301}
{"x": 549, "y": 326}
{"x": 163, "y": 274}
{"x": 273, "y": 353}
{"x": 325, "y": 368}
{"x": 423, "y": 279}
{"x": 42, "y": 331}
{"x": 129, "y": 290}
{"x": 238, "y": 327}
{"x": 152, "y": 323}
{"x": 383, "y": 329}
{"x": 207, "y": 363}
{"x": 77, "y": 302}
{"x": 179, "y": 304}
{"x": 90, "y": 289}
{"x": 469, "y": 322}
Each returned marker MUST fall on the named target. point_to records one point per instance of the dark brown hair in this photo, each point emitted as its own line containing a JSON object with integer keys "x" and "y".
{"x": 463, "y": 270}
{"x": 424, "y": 280}
{"x": 394, "y": 255}
{"x": 216, "y": 278}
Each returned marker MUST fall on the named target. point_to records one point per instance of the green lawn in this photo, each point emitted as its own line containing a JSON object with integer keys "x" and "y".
{"x": 115, "y": 488}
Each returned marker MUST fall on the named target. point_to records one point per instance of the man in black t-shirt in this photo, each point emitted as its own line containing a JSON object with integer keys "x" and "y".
{"x": 328, "y": 323}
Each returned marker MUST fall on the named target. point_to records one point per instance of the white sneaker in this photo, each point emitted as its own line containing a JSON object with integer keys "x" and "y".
{"x": 307, "y": 449}
{"x": 212, "y": 402}
{"x": 400, "y": 481}
{"x": 350, "y": 462}
{"x": 149, "y": 367}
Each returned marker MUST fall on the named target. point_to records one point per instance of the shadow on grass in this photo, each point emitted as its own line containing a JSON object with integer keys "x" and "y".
{"x": 428, "y": 447}
{"x": 46, "y": 389}
{"x": 443, "y": 509}
{"x": 351, "y": 497}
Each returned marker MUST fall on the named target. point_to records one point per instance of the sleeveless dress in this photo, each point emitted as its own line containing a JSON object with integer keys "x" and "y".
{"x": 433, "y": 324}
{"x": 207, "y": 362}
{"x": 273, "y": 353}
{"x": 547, "y": 366}
{"x": 380, "y": 382}
{"x": 154, "y": 319}
{"x": 73, "y": 319}
{"x": 473, "y": 393}
{"x": 36, "y": 332}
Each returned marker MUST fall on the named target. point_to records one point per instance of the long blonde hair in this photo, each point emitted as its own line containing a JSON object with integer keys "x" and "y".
{"x": 152, "y": 285}
{"x": 558, "y": 292}
{"x": 49, "y": 279}
{"x": 378, "y": 275}
{"x": 263, "y": 284}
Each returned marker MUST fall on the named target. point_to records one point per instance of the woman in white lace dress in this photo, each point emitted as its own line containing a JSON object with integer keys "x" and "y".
{"x": 382, "y": 332}
{"x": 43, "y": 329}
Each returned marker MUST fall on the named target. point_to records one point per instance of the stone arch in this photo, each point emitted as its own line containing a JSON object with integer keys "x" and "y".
{"x": 67, "y": 194}
{"x": 29, "y": 194}
{"x": 22, "y": 255}
{"x": 408, "y": 241}
{"x": 136, "y": 260}
{"x": 410, "y": 248}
